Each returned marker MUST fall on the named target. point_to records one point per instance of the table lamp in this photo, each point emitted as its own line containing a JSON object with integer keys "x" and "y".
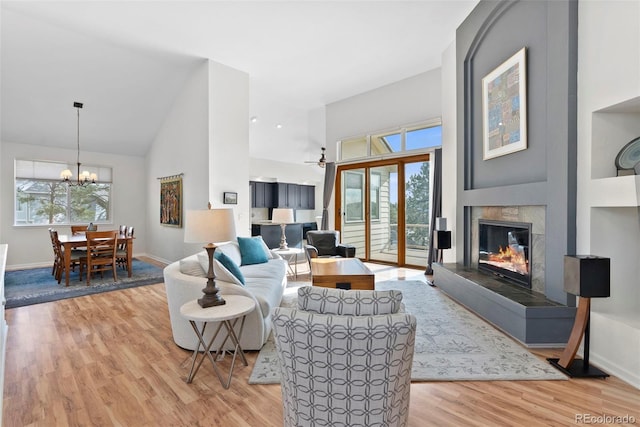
{"x": 209, "y": 226}
{"x": 282, "y": 217}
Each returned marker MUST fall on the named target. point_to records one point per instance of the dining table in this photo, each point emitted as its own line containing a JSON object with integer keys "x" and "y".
{"x": 72, "y": 241}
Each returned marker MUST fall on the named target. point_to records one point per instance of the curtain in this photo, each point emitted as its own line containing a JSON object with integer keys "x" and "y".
{"x": 436, "y": 205}
{"x": 329, "y": 180}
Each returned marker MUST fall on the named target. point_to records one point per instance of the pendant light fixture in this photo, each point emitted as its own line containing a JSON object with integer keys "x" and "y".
{"x": 85, "y": 177}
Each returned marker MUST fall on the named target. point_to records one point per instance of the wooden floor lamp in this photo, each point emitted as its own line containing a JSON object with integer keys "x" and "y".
{"x": 587, "y": 277}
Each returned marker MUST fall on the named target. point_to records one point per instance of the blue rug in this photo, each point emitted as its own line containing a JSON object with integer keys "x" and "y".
{"x": 37, "y": 285}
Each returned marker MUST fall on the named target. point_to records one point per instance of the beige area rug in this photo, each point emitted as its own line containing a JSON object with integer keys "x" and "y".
{"x": 452, "y": 344}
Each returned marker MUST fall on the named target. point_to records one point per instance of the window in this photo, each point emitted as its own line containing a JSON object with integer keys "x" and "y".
{"x": 374, "y": 188}
{"x": 397, "y": 142}
{"x": 42, "y": 198}
{"x": 354, "y": 148}
{"x": 424, "y": 137}
{"x": 354, "y": 196}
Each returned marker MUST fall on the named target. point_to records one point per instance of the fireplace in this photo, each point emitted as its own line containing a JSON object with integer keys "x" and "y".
{"x": 504, "y": 250}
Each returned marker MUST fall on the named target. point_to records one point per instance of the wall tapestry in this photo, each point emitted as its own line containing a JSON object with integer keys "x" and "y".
{"x": 504, "y": 107}
{"x": 171, "y": 201}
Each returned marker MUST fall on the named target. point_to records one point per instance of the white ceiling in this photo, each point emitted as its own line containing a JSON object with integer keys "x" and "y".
{"x": 127, "y": 60}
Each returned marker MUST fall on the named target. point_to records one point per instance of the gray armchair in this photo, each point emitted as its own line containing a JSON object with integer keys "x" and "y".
{"x": 326, "y": 243}
{"x": 347, "y": 361}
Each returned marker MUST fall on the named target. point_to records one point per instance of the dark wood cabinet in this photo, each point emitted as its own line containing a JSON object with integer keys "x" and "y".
{"x": 262, "y": 194}
{"x": 307, "y": 197}
{"x": 282, "y": 195}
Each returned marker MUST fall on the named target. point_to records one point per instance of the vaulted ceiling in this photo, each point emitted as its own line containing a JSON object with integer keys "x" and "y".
{"x": 127, "y": 61}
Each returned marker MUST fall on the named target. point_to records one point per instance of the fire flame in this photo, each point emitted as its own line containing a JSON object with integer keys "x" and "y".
{"x": 509, "y": 259}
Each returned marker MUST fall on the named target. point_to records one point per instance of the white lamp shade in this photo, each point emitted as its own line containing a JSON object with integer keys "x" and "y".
{"x": 282, "y": 216}
{"x": 209, "y": 226}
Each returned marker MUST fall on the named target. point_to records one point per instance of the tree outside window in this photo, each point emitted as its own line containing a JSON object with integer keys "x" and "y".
{"x": 42, "y": 199}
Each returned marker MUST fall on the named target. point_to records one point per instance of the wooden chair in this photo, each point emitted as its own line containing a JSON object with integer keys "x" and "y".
{"x": 78, "y": 229}
{"x": 121, "y": 253}
{"x": 101, "y": 254}
{"x": 58, "y": 253}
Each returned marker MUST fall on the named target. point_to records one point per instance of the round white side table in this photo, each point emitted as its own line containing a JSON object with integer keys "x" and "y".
{"x": 290, "y": 253}
{"x": 236, "y": 308}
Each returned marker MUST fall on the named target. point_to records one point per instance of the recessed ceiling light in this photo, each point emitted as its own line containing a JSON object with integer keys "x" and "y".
{"x": 253, "y": 119}
{"x": 278, "y": 126}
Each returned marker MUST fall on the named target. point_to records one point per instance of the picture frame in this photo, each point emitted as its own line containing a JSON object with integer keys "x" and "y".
{"x": 504, "y": 108}
{"x": 230, "y": 198}
{"x": 171, "y": 202}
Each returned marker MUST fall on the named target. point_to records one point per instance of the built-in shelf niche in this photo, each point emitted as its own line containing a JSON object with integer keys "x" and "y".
{"x": 611, "y": 129}
{"x": 615, "y": 233}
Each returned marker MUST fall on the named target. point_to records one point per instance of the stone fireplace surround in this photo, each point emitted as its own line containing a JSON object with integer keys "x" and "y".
{"x": 527, "y": 315}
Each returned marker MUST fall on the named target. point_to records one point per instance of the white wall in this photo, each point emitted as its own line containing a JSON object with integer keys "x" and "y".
{"x": 229, "y": 141}
{"x": 608, "y": 217}
{"x": 205, "y": 137}
{"x": 408, "y": 101}
{"x": 31, "y": 246}
{"x": 181, "y": 146}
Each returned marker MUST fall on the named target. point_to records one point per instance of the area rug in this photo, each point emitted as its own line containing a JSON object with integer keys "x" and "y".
{"x": 452, "y": 344}
{"x": 37, "y": 285}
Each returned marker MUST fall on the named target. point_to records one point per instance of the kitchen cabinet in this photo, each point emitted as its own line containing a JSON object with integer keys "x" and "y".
{"x": 271, "y": 234}
{"x": 262, "y": 194}
{"x": 307, "y": 197}
{"x": 282, "y": 195}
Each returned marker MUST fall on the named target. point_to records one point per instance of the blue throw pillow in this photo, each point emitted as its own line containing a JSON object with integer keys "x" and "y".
{"x": 229, "y": 265}
{"x": 252, "y": 250}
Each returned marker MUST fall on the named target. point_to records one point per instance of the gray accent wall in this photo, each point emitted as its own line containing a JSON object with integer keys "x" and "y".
{"x": 545, "y": 173}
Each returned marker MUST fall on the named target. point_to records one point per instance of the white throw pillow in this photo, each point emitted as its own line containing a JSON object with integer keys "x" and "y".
{"x": 192, "y": 268}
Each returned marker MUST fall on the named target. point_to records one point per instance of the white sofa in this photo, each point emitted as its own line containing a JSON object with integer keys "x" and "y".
{"x": 264, "y": 283}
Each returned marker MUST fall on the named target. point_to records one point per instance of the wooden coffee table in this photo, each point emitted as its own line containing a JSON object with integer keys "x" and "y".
{"x": 341, "y": 273}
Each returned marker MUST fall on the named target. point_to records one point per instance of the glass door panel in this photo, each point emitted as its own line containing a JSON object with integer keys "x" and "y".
{"x": 383, "y": 213}
{"x": 352, "y": 210}
{"x": 417, "y": 192}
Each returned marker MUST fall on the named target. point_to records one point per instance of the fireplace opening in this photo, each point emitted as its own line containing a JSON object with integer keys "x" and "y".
{"x": 504, "y": 250}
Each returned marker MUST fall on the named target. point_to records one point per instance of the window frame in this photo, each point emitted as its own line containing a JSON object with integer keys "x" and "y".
{"x": 361, "y": 176}
{"x": 402, "y": 130}
{"x": 27, "y": 170}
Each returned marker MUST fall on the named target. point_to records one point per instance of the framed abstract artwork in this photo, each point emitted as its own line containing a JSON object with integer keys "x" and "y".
{"x": 171, "y": 201}
{"x": 504, "y": 108}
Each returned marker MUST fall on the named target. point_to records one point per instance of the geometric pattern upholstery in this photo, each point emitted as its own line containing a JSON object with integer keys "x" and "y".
{"x": 346, "y": 369}
{"x": 346, "y": 302}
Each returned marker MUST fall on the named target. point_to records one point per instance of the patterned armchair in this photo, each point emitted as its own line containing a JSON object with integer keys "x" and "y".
{"x": 345, "y": 357}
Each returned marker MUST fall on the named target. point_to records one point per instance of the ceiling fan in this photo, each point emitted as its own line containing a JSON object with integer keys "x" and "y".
{"x": 322, "y": 161}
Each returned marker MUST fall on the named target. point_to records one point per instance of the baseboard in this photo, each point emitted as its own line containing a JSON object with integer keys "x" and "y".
{"x": 49, "y": 263}
{"x": 632, "y": 378}
{"x": 156, "y": 258}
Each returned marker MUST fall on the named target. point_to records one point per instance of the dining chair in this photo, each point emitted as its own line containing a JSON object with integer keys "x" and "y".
{"x": 58, "y": 254}
{"x": 101, "y": 254}
{"x": 78, "y": 229}
{"x": 121, "y": 253}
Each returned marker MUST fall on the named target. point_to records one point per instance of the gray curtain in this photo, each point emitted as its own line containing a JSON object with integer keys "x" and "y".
{"x": 436, "y": 205}
{"x": 329, "y": 180}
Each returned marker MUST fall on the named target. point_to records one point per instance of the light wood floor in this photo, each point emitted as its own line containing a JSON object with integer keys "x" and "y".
{"x": 109, "y": 360}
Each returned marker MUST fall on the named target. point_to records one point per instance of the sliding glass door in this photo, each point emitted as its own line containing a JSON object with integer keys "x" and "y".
{"x": 383, "y": 213}
{"x": 383, "y": 208}
{"x": 417, "y": 188}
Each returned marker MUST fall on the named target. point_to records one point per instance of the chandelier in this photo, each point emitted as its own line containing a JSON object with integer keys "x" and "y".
{"x": 85, "y": 177}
